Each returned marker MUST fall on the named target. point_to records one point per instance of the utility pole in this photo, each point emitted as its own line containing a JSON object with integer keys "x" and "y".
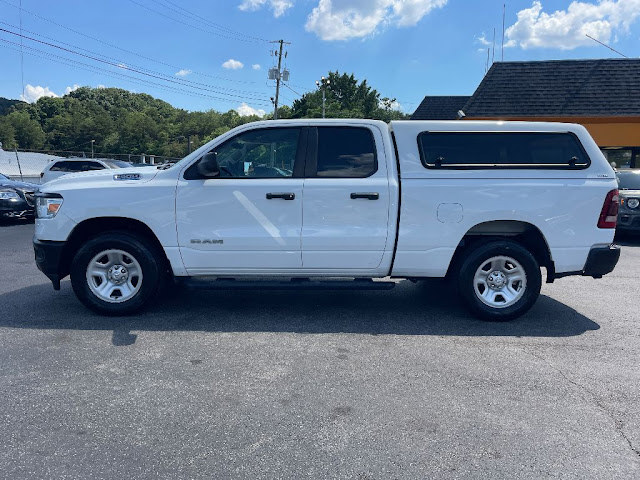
{"x": 278, "y": 75}
{"x": 92, "y": 143}
{"x": 323, "y": 84}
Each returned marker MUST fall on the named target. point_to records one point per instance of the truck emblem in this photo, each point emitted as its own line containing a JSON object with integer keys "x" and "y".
{"x": 127, "y": 176}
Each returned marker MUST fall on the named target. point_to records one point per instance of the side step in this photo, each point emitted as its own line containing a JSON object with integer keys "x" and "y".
{"x": 292, "y": 284}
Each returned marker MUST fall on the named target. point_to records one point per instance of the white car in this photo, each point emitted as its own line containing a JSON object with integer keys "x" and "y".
{"x": 484, "y": 203}
{"x": 58, "y": 168}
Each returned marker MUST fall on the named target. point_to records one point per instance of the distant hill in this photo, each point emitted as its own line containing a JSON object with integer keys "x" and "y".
{"x": 6, "y": 104}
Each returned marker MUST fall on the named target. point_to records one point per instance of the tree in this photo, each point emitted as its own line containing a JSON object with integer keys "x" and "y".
{"x": 27, "y": 131}
{"x": 346, "y": 98}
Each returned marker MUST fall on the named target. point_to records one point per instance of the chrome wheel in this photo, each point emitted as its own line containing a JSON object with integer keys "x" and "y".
{"x": 499, "y": 282}
{"x": 114, "y": 276}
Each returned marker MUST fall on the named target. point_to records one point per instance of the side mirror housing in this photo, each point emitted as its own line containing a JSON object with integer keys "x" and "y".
{"x": 208, "y": 165}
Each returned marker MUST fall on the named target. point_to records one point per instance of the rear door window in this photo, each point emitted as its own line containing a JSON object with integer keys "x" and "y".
{"x": 345, "y": 152}
{"x": 476, "y": 150}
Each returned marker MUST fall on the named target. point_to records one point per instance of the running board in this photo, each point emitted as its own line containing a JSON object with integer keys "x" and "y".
{"x": 293, "y": 284}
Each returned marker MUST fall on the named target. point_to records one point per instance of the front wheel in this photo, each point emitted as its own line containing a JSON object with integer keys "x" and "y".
{"x": 116, "y": 273}
{"x": 499, "y": 281}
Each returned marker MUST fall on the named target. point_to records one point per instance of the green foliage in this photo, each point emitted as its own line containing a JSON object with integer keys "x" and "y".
{"x": 19, "y": 129}
{"x": 124, "y": 122}
{"x": 8, "y": 106}
{"x": 346, "y": 98}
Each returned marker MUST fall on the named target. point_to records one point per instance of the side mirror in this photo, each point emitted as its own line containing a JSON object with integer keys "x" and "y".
{"x": 208, "y": 165}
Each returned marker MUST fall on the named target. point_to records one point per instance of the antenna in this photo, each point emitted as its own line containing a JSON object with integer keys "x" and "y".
{"x": 605, "y": 45}
{"x": 493, "y": 55}
{"x": 504, "y": 14}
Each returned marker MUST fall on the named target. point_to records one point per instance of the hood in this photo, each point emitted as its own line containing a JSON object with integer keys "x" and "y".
{"x": 31, "y": 187}
{"x": 106, "y": 176}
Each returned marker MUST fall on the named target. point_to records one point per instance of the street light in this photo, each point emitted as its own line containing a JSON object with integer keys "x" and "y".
{"x": 323, "y": 84}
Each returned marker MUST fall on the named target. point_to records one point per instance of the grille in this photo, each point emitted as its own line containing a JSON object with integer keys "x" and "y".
{"x": 30, "y": 199}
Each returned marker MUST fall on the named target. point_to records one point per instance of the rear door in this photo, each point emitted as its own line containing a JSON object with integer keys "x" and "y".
{"x": 345, "y": 222}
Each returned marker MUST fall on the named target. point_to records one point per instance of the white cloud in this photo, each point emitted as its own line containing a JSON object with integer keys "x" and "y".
{"x": 245, "y": 110}
{"x": 277, "y": 6}
{"x": 68, "y": 90}
{"x": 256, "y": 66}
{"x": 32, "y": 94}
{"x": 346, "y": 19}
{"x": 482, "y": 40}
{"x": 567, "y": 29}
{"x": 101, "y": 86}
{"x": 183, "y": 72}
{"x": 232, "y": 64}
{"x": 123, "y": 65}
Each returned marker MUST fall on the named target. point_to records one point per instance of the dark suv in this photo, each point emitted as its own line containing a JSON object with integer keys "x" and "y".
{"x": 17, "y": 198}
{"x": 629, "y": 213}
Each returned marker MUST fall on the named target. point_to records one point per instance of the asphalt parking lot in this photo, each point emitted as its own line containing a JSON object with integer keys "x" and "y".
{"x": 361, "y": 385}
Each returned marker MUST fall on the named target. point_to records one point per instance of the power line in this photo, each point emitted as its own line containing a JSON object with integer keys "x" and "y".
{"x": 299, "y": 94}
{"x": 122, "y": 66}
{"x": 21, "y": 52}
{"x": 103, "y": 42}
{"x": 181, "y": 10}
{"x": 94, "y": 69}
{"x": 231, "y": 36}
{"x": 185, "y": 81}
{"x": 605, "y": 45}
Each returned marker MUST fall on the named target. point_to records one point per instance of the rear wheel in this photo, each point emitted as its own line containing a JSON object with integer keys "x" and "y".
{"x": 117, "y": 273}
{"x": 499, "y": 281}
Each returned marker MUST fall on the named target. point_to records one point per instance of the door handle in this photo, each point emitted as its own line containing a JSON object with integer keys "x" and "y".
{"x": 284, "y": 196}
{"x": 367, "y": 195}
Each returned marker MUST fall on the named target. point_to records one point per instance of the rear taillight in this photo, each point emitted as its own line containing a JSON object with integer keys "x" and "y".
{"x": 609, "y": 213}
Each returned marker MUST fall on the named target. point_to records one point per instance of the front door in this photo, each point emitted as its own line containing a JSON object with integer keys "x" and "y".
{"x": 248, "y": 219}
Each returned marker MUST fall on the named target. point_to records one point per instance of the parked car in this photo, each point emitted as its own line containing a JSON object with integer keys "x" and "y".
{"x": 17, "y": 198}
{"x": 57, "y": 168}
{"x": 483, "y": 203}
{"x": 629, "y": 215}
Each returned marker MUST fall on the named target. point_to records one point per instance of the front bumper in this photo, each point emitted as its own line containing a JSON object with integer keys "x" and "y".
{"x": 16, "y": 209}
{"x": 49, "y": 256}
{"x": 629, "y": 221}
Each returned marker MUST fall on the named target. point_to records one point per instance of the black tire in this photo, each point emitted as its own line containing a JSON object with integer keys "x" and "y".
{"x": 150, "y": 260}
{"x": 478, "y": 256}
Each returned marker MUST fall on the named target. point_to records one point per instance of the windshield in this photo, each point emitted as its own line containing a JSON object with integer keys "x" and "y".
{"x": 629, "y": 180}
{"x": 3, "y": 177}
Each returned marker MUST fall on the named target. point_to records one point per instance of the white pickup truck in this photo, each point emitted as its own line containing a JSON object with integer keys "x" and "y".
{"x": 309, "y": 202}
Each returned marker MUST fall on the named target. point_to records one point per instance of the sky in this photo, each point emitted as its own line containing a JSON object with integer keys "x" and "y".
{"x": 201, "y": 55}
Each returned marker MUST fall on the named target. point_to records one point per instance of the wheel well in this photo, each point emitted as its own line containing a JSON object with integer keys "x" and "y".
{"x": 94, "y": 226}
{"x": 526, "y": 234}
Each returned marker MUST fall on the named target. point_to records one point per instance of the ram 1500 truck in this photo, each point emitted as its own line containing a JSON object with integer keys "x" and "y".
{"x": 486, "y": 204}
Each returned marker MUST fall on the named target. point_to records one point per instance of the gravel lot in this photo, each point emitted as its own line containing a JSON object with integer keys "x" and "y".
{"x": 361, "y": 385}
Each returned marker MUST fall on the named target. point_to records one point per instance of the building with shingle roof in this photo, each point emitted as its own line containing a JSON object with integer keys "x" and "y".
{"x": 603, "y": 95}
{"x": 440, "y": 107}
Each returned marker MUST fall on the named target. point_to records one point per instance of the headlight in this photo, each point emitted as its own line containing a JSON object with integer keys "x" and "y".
{"x": 8, "y": 195}
{"x": 48, "y": 204}
{"x": 633, "y": 203}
